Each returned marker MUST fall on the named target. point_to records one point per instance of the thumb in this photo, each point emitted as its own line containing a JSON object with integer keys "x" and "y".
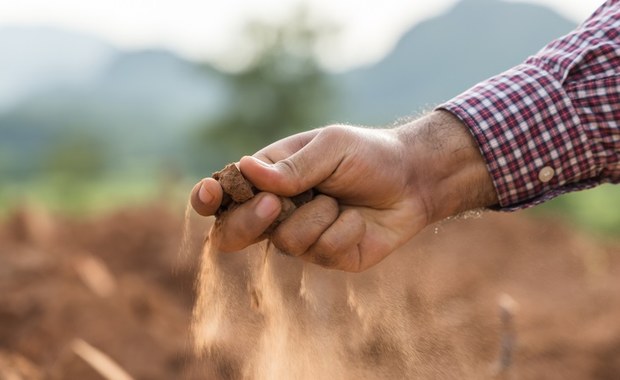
{"x": 304, "y": 169}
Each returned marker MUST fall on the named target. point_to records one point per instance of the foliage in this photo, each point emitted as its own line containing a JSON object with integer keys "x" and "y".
{"x": 77, "y": 156}
{"x": 595, "y": 209}
{"x": 281, "y": 91}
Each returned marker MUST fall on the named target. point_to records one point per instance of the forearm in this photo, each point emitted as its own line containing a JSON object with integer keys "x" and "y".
{"x": 447, "y": 168}
{"x": 550, "y": 125}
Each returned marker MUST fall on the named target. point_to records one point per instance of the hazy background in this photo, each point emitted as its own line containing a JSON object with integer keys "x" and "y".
{"x": 113, "y": 103}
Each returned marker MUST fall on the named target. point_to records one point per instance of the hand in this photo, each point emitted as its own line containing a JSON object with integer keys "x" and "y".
{"x": 379, "y": 188}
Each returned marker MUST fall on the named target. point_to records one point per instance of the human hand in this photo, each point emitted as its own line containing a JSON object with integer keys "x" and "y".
{"x": 379, "y": 187}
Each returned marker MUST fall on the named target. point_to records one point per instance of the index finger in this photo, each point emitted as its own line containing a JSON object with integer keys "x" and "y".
{"x": 315, "y": 157}
{"x": 285, "y": 147}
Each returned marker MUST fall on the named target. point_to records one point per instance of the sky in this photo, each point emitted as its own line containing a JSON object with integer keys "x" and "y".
{"x": 209, "y": 29}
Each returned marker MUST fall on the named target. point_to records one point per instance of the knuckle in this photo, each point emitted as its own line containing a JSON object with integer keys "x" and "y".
{"x": 349, "y": 261}
{"x": 326, "y": 246}
{"x": 325, "y": 261}
{"x": 291, "y": 168}
{"x": 336, "y": 131}
{"x": 288, "y": 241}
{"x": 339, "y": 137}
{"x": 327, "y": 202}
{"x": 325, "y": 253}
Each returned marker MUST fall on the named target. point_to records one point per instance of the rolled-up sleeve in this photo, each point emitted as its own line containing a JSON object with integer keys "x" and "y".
{"x": 552, "y": 124}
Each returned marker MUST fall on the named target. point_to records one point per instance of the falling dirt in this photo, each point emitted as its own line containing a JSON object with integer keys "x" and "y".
{"x": 425, "y": 312}
{"x": 429, "y": 311}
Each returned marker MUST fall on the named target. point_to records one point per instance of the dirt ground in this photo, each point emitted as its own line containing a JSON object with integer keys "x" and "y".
{"x": 117, "y": 284}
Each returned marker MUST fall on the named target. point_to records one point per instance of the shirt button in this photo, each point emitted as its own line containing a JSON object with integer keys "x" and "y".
{"x": 546, "y": 174}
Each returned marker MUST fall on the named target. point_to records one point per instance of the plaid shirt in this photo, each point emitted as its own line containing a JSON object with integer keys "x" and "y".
{"x": 552, "y": 124}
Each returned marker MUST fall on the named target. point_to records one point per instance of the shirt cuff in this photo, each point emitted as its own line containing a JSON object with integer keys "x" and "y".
{"x": 529, "y": 135}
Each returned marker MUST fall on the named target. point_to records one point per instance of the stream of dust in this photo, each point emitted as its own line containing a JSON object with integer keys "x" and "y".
{"x": 262, "y": 315}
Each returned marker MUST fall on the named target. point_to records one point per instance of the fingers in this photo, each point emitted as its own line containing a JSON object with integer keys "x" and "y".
{"x": 316, "y": 231}
{"x": 245, "y": 224}
{"x": 305, "y": 168}
{"x": 332, "y": 244}
{"x": 304, "y": 227}
{"x": 206, "y": 196}
{"x": 286, "y": 147}
{"x": 338, "y": 247}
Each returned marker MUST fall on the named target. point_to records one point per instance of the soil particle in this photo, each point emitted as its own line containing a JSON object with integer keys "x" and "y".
{"x": 237, "y": 190}
{"x": 234, "y": 184}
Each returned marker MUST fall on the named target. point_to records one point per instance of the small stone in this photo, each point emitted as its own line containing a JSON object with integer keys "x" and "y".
{"x": 237, "y": 189}
{"x": 234, "y": 183}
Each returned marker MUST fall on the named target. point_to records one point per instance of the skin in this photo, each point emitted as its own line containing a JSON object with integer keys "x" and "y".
{"x": 379, "y": 187}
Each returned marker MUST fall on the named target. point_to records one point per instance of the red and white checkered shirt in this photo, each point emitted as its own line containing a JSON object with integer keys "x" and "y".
{"x": 552, "y": 124}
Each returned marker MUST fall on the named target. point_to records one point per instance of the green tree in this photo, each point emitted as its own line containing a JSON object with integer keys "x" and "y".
{"x": 75, "y": 157}
{"x": 282, "y": 90}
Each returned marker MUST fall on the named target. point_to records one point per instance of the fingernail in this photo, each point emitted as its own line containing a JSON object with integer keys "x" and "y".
{"x": 204, "y": 196}
{"x": 266, "y": 207}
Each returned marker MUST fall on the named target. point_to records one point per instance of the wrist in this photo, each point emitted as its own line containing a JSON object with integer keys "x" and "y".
{"x": 447, "y": 169}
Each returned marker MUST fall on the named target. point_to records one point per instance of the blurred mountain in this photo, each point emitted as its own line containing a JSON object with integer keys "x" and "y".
{"x": 443, "y": 56}
{"x": 137, "y": 105}
{"x": 34, "y": 59}
{"x": 137, "y": 109}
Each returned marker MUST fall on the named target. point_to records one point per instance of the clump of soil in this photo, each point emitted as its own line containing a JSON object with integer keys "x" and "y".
{"x": 237, "y": 189}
